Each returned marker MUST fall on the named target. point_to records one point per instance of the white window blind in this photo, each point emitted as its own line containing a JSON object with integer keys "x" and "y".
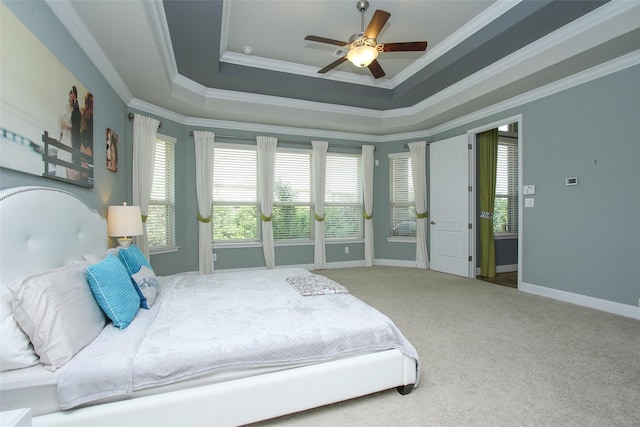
{"x": 235, "y": 189}
{"x": 343, "y": 196}
{"x": 292, "y": 213}
{"x": 401, "y": 203}
{"x": 161, "y": 215}
{"x": 235, "y": 184}
{"x": 505, "y": 217}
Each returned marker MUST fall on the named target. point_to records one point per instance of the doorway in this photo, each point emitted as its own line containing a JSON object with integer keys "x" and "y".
{"x": 502, "y": 264}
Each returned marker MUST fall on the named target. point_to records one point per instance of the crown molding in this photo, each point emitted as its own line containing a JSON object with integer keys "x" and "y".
{"x": 282, "y": 130}
{"x": 213, "y": 94}
{"x": 613, "y": 66}
{"x": 67, "y": 15}
{"x": 159, "y": 23}
{"x": 303, "y": 70}
{"x": 163, "y": 113}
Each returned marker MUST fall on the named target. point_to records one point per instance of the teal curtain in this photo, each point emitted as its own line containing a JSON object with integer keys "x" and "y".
{"x": 488, "y": 146}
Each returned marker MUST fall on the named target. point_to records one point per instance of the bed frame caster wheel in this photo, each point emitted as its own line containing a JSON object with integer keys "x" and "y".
{"x": 405, "y": 389}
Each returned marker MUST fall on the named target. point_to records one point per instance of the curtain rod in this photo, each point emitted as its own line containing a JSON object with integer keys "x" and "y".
{"x": 131, "y": 118}
{"x": 247, "y": 138}
{"x": 406, "y": 144}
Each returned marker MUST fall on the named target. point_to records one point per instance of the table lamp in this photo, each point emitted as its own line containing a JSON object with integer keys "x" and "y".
{"x": 124, "y": 222}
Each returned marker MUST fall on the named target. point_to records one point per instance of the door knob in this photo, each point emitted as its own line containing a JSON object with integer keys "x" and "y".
{"x": 433, "y": 223}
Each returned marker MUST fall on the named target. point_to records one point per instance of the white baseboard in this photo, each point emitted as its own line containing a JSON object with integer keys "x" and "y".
{"x": 583, "y": 300}
{"x": 395, "y": 263}
{"x": 345, "y": 264}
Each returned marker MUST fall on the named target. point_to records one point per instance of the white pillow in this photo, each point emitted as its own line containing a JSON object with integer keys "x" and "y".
{"x": 58, "y": 312}
{"x": 96, "y": 258}
{"x": 148, "y": 286}
{"x": 16, "y": 351}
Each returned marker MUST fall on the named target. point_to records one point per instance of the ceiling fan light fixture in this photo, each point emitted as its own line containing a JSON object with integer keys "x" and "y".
{"x": 362, "y": 56}
{"x": 363, "y": 48}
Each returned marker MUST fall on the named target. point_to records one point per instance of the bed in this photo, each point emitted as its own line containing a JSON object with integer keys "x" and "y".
{"x": 46, "y": 229}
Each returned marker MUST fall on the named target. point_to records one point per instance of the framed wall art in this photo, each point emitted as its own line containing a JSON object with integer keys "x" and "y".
{"x": 46, "y": 114}
{"x": 112, "y": 151}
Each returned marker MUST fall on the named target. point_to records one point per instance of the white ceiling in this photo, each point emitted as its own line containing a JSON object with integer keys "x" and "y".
{"x": 129, "y": 42}
{"x": 276, "y": 31}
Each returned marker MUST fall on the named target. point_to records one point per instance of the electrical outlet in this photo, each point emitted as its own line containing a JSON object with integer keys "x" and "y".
{"x": 346, "y": 249}
{"x": 215, "y": 257}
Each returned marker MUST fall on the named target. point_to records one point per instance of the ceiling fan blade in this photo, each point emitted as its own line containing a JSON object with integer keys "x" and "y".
{"x": 376, "y": 69}
{"x": 405, "y": 47}
{"x": 333, "y": 65}
{"x": 325, "y": 40}
{"x": 377, "y": 22}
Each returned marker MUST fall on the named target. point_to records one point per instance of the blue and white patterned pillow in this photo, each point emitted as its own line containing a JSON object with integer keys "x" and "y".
{"x": 112, "y": 288}
{"x": 148, "y": 286}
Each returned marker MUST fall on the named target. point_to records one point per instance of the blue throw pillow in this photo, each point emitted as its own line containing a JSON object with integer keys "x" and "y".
{"x": 112, "y": 288}
{"x": 133, "y": 259}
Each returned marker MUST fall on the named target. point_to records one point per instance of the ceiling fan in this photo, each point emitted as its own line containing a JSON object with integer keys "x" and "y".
{"x": 363, "y": 47}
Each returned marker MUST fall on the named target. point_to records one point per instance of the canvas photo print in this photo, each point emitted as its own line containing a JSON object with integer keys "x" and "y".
{"x": 46, "y": 117}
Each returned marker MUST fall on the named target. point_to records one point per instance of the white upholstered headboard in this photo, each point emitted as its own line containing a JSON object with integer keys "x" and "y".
{"x": 43, "y": 228}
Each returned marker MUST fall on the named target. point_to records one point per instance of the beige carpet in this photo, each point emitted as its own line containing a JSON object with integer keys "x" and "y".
{"x": 492, "y": 356}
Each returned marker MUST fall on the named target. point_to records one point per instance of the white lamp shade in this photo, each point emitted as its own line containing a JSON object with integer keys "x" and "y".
{"x": 362, "y": 56}
{"x": 124, "y": 221}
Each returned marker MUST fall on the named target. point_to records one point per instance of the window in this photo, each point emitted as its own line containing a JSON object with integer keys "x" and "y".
{"x": 505, "y": 211}
{"x": 236, "y": 215}
{"x": 403, "y": 211}
{"x": 292, "y": 215}
{"x": 343, "y": 196}
{"x": 161, "y": 218}
{"x": 235, "y": 189}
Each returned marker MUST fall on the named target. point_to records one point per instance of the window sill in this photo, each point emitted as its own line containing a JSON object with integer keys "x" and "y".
{"x": 342, "y": 241}
{"x": 401, "y": 239}
{"x": 163, "y": 250}
{"x": 505, "y": 236}
{"x": 237, "y": 245}
{"x": 284, "y": 243}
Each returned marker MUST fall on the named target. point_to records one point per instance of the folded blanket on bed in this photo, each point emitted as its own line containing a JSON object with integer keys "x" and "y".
{"x": 314, "y": 284}
{"x": 210, "y": 323}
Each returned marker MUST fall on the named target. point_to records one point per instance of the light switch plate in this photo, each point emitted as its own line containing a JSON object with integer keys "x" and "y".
{"x": 529, "y": 202}
{"x": 528, "y": 189}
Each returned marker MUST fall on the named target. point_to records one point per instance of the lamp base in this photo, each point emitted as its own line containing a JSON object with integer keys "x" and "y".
{"x": 125, "y": 242}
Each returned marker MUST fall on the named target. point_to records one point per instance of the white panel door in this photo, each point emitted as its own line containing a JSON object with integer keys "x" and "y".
{"x": 449, "y": 206}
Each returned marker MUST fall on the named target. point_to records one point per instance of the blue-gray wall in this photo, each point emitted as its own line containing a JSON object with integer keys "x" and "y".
{"x": 581, "y": 239}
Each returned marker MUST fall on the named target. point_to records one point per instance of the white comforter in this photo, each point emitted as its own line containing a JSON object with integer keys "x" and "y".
{"x": 203, "y": 324}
